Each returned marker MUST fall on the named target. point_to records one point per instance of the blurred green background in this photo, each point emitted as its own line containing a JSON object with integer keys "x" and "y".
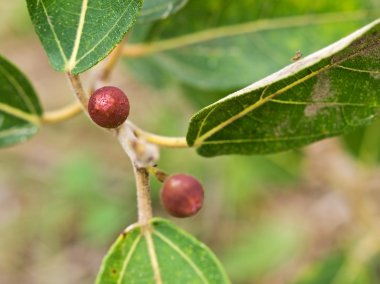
{"x": 307, "y": 216}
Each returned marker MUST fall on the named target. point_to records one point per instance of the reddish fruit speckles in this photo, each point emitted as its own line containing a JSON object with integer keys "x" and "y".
{"x": 108, "y": 107}
{"x": 182, "y": 195}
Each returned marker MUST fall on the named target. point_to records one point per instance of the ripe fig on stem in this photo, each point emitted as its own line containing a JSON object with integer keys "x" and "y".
{"x": 182, "y": 195}
{"x": 108, "y": 107}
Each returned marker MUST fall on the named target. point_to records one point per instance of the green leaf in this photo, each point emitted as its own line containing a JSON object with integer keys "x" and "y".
{"x": 159, "y": 9}
{"x": 20, "y": 110}
{"x": 364, "y": 143}
{"x": 77, "y": 34}
{"x": 327, "y": 93}
{"x": 160, "y": 253}
{"x": 340, "y": 267}
{"x": 226, "y": 45}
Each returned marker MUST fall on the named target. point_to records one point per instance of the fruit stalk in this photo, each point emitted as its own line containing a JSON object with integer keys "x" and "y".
{"x": 144, "y": 205}
{"x": 78, "y": 89}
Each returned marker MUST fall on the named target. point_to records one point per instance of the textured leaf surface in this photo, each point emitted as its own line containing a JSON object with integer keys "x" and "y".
{"x": 160, "y": 254}
{"x": 159, "y": 9}
{"x": 253, "y": 38}
{"x": 77, "y": 34}
{"x": 328, "y": 93}
{"x": 19, "y": 107}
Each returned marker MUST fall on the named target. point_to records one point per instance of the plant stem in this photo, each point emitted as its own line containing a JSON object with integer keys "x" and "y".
{"x": 62, "y": 114}
{"x": 75, "y": 108}
{"x": 161, "y": 141}
{"x": 144, "y": 205}
{"x": 159, "y": 174}
{"x": 141, "y": 174}
{"x": 78, "y": 89}
{"x": 112, "y": 61}
{"x": 139, "y": 50}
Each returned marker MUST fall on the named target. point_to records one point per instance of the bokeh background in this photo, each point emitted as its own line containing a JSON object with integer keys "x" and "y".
{"x": 305, "y": 216}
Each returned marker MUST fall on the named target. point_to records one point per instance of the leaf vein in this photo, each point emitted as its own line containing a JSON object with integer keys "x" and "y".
{"x": 58, "y": 42}
{"x": 273, "y": 139}
{"x": 327, "y": 104}
{"x": 20, "y": 114}
{"x": 72, "y": 62}
{"x": 200, "y": 140}
{"x": 17, "y": 131}
{"x": 20, "y": 90}
{"x": 127, "y": 259}
{"x": 106, "y": 35}
{"x": 153, "y": 257}
{"x": 184, "y": 256}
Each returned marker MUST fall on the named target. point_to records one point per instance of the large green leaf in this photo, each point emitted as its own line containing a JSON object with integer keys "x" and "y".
{"x": 228, "y": 44}
{"x": 77, "y": 34}
{"x": 160, "y": 253}
{"x": 20, "y": 110}
{"x": 159, "y": 9}
{"x": 328, "y": 93}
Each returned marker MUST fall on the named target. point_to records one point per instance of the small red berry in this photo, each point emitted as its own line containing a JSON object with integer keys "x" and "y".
{"x": 182, "y": 195}
{"x": 108, "y": 107}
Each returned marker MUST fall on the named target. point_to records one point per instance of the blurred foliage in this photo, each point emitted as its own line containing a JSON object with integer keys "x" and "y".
{"x": 332, "y": 270}
{"x": 67, "y": 193}
{"x": 219, "y": 66}
{"x": 14, "y": 26}
{"x": 82, "y": 184}
{"x": 364, "y": 143}
{"x": 271, "y": 244}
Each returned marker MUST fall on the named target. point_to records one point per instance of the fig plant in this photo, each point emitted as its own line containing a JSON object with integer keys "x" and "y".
{"x": 327, "y": 93}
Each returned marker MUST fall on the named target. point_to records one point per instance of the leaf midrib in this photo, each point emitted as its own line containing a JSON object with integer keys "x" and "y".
{"x": 201, "y": 138}
{"x": 20, "y": 90}
{"x": 72, "y": 61}
{"x": 105, "y": 36}
{"x": 250, "y": 108}
{"x": 20, "y": 114}
{"x": 184, "y": 256}
{"x": 152, "y": 254}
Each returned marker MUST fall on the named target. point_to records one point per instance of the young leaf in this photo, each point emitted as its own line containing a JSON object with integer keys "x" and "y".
{"x": 160, "y": 253}
{"x": 159, "y": 9}
{"x": 77, "y": 34}
{"x": 327, "y": 93}
{"x": 20, "y": 110}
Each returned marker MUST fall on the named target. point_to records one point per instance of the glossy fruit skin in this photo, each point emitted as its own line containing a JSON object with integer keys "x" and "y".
{"x": 182, "y": 195}
{"x": 108, "y": 107}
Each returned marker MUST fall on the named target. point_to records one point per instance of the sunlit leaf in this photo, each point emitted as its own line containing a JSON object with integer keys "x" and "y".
{"x": 20, "y": 110}
{"x": 77, "y": 34}
{"x": 159, "y": 9}
{"x": 328, "y": 93}
{"x": 160, "y": 253}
